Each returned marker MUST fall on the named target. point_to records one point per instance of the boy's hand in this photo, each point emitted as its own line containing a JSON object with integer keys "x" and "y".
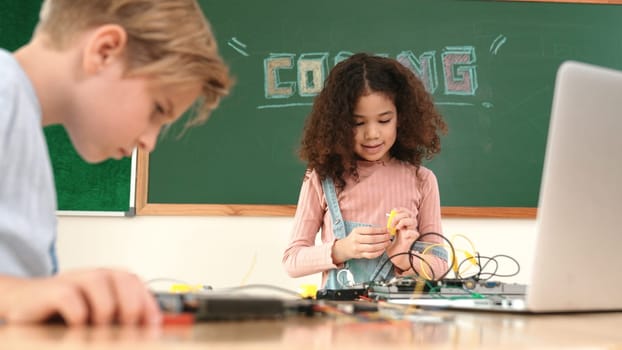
{"x": 99, "y": 297}
{"x": 362, "y": 242}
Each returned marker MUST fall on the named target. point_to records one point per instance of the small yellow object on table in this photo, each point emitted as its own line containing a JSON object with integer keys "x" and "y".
{"x": 308, "y": 291}
{"x": 185, "y": 288}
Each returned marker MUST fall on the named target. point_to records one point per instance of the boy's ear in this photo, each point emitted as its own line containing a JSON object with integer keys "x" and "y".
{"x": 106, "y": 44}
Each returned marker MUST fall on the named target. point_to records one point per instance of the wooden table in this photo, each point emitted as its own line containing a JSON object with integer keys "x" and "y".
{"x": 423, "y": 330}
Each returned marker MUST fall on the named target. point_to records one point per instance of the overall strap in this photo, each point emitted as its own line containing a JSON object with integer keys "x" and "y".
{"x": 436, "y": 250}
{"x": 334, "y": 279}
{"x": 339, "y": 228}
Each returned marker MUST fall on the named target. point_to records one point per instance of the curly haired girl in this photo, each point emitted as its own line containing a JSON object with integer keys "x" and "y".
{"x": 368, "y": 132}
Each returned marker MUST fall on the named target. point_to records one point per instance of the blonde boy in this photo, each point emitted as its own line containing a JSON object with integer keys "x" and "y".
{"x": 113, "y": 72}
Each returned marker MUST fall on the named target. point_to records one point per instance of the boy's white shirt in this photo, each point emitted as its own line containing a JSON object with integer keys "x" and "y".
{"x": 27, "y": 192}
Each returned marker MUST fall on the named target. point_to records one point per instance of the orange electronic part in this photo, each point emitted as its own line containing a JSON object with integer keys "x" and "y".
{"x": 181, "y": 318}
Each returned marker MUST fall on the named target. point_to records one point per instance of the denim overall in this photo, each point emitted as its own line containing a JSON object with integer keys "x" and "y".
{"x": 355, "y": 271}
{"x": 358, "y": 271}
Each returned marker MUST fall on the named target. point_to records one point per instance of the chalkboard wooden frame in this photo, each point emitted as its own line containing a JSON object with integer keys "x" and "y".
{"x": 143, "y": 207}
{"x": 574, "y": 1}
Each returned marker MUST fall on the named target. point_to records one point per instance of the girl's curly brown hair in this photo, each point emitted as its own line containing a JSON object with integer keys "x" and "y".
{"x": 328, "y": 142}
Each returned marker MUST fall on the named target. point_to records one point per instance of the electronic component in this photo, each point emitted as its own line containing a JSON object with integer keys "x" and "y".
{"x": 341, "y": 294}
{"x": 227, "y": 306}
{"x": 408, "y": 288}
{"x": 468, "y": 286}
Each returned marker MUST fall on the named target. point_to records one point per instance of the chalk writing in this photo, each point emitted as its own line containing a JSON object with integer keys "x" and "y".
{"x": 459, "y": 72}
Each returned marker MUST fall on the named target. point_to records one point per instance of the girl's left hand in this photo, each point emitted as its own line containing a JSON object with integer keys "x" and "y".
{"x": 405, "y": 223}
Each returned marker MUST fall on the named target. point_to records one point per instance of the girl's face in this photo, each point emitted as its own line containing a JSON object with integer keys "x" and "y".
{"x": 375, "y": 132}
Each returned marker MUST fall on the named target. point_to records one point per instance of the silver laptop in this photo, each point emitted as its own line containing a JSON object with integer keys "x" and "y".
{"x": 579, "y": 220}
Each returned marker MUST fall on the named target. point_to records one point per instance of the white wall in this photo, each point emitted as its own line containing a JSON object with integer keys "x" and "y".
{"x": 230, "y": 251}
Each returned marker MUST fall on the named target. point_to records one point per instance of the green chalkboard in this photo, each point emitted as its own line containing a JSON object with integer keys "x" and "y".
{"x": 489, "y": 65}
{"x": 83, "y": 187}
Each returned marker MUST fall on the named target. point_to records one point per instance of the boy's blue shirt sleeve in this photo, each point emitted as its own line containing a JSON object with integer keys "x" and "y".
{"x": 27, "y": 193}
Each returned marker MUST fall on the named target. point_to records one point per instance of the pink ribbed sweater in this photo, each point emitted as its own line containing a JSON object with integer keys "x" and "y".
{"x": 381, "y": 187}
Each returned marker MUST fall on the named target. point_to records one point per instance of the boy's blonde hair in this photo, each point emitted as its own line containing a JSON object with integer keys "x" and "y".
{"x": 169, "y": 40}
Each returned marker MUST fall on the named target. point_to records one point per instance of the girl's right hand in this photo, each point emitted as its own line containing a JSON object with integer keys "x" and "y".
{"x": 361, "y": 243}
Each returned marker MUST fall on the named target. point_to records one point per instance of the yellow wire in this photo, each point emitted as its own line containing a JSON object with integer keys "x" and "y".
{"x": 250, "y": 270}
{"x": 458, "y": 235}
{"x": 468, "y": 255}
